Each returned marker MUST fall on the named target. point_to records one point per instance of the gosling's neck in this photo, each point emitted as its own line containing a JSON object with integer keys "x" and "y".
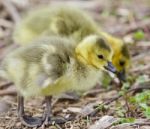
{"x": 80, "y": 57}
{"x": 82, "y": 53}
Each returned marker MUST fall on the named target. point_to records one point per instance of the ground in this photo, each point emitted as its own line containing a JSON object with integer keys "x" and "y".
{"x": 127, "y": 19}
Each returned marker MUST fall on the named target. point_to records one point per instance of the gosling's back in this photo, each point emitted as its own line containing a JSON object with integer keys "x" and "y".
{"x": 60, "y": 21}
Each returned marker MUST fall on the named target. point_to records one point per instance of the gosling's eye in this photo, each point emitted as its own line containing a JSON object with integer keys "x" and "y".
{"x": 122, "y": 63}
{"x": 100, "y": 56}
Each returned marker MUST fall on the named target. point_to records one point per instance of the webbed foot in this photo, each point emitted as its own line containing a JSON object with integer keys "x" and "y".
{"x": 55, "y": 120}
{"x": 27, "y": 120}
{"x": 31, "y": 121}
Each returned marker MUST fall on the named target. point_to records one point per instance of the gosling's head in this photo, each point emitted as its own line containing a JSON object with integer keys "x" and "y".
{"x": 121, "y": 60}
{"x": 121, "y": 56}
{"x": 94, "y": 50}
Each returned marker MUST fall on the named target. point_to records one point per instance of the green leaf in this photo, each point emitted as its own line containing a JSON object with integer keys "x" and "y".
{"x": 120, "y": 111}
{"x": 141, "y": 100}
{"x": 121, "y": 93}
{"x": 126, "y": 86}
{"x": 143, "y": 105}
{"x": 147, "y": 112}
{"x": 142, "y": 97}
{"x": 128, "y": 120}
{"x": 125, "y": 120}
{"x": 132, "y": 99}
{"x": 139, "y": 35}
{"x": 146, "y": 109}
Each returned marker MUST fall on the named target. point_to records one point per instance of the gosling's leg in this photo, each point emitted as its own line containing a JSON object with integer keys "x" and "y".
{"x": 48, "y": 111}
{"x": 49, "y": 119}
{"x": 27, "y": 120}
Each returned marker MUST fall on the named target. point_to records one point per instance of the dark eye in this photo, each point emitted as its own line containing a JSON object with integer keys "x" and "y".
{"x": 122, "y": 63}
{"x": 100, "y": 56}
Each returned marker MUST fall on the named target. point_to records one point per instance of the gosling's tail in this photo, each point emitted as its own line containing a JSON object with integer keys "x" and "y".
{"x": 22, "y": 35}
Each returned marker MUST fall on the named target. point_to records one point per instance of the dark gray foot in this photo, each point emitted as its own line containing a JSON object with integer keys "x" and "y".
{"x": 27, "y": 120}
{"x": 31, "y": 121}
{"x": 48, "y": 118}
{"x": 55, "y": 120}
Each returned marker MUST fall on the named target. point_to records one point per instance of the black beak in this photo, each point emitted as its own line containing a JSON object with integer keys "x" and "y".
{"x": 110, "y": 67}
{"x": 122, "y": 76}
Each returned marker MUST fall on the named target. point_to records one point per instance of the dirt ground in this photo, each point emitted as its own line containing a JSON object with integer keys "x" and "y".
{"x": 127, "y": 19}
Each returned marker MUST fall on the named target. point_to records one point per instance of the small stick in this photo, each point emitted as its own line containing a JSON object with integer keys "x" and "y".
{"x": 133, "y": 27}
{"x": 6, "y": 85}
{"x": 132, "y": 124}
{"x": 11, "y": 10}
{"x": 141, "y": 68}
{"x": 140, "y": 123}
{"x": 139, "y": 25}
{"x": 7, "y": 92}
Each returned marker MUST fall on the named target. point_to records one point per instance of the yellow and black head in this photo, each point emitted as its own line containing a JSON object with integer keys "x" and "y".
{"x": 121, "y": 60}
{"x": 121, "y": 56}
{"x": 94, "y": 50}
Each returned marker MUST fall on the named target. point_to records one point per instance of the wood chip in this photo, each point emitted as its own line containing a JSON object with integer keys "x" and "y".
{"x": 104, "y": 122}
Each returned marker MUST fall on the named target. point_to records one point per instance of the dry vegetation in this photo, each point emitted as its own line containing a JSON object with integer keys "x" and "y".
{"x": 128, "y": 19}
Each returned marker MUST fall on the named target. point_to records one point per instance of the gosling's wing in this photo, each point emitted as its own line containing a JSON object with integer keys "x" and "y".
{"x": 35, "y": 66}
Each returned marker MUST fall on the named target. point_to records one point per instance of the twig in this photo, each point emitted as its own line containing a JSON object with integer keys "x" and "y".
{"x": 140, "y": 56}
{"x": 7, "y": 92}
{"x": 94, "y": 92}
{"x": 141, "y": 68}
{"x": 105, "y": 103}
{"x": 113, "y": 99}
{"x": 3, "y": 45}
{"x": 11, "y": 10}
{"x": 57, "y": 126}
{"x": 139, "y": 123}
{"x": 131, "y": 124}
{"x": 5, "y": 23}
{"x": 136, "y": 87}
{"x": 133, "y": 27}
{"x": 145, "y": 44}
{"x": 6, "y": 85}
